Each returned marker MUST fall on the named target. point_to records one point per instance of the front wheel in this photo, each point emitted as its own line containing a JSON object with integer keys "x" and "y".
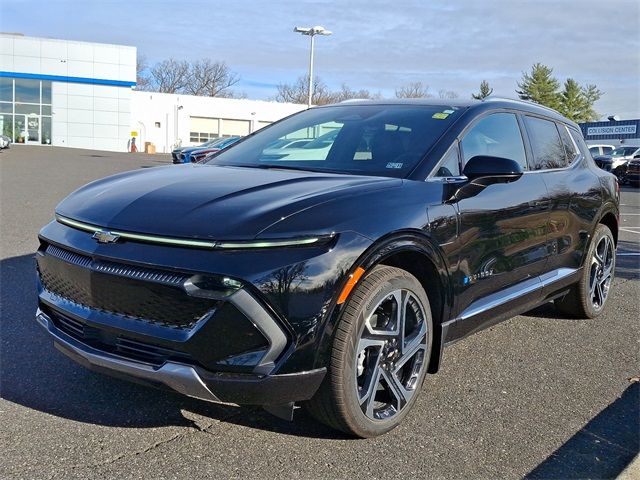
{"x": 379, "y": 355}
{"x": 587, "y": 298}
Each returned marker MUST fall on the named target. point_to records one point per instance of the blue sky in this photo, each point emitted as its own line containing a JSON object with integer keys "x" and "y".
{"x": 378, "y": 45}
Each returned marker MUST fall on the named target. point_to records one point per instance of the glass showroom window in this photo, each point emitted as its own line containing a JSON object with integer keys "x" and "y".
{"x": 25, "y": 110}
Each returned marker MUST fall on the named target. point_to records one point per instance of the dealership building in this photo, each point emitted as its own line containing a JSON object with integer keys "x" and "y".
{"x": 80, "y": 94}
{"x": 613, "y": 132}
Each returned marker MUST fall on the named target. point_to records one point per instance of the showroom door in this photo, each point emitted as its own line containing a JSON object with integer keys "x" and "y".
{"x": 33, "y": 129}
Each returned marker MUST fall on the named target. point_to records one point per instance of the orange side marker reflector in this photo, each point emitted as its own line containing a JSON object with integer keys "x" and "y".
{"x": 350, "y": 284}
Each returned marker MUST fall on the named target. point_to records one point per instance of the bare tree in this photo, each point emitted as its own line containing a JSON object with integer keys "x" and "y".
{"x": 207, "y": 78}
{"x": 170, "y": 76}
{"x": 142, "y": 78}
{"x": 445, "y": 94}
{"x": 413, "y": 90}
{"x": 345, "y": 93}
{"x": 298, "y": 92}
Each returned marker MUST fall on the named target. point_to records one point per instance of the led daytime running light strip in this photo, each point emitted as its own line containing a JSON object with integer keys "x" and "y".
{"x": 191, "y": 243}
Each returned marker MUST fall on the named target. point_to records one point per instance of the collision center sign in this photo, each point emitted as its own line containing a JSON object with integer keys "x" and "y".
{"x": 612, "y": 130}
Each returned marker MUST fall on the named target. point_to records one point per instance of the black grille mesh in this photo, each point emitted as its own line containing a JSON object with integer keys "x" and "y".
{"x": 148, "y": 295}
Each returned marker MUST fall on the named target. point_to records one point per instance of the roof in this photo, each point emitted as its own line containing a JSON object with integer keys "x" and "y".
{"x": 472, "y": 104}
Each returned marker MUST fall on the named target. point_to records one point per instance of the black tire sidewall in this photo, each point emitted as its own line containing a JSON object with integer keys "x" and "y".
{"x": 601, "y": 231}
{"x": 362, "y": 424}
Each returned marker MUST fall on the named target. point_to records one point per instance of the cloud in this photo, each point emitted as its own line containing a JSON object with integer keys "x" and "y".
{"x": 378, "y": 45}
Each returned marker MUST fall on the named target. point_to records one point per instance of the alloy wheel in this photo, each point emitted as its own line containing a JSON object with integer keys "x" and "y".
{"x": 391, "y": 355}
{"x": 601, "y": 272}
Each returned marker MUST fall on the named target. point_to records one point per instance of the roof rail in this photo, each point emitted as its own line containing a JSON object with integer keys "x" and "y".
{"x": 349, "y": 100}
{"x": 518, "y": 100}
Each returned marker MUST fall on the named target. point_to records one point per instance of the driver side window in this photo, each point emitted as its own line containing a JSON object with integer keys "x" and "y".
{"x": 496, "y": 135}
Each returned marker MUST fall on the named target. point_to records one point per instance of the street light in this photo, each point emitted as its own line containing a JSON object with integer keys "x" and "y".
{"x": 311, "y": 32}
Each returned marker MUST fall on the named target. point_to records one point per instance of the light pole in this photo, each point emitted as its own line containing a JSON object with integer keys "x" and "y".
{"x": 311, "y": 32}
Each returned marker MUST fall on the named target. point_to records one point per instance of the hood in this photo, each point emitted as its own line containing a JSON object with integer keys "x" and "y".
{"x": 208, "y": 201}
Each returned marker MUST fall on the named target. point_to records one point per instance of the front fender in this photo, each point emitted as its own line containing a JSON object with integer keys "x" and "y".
{"x": 380, "y": 251}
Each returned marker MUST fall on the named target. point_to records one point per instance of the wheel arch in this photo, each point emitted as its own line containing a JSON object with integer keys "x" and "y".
{"x": 415, "y": 252}
{"x": 611, "y": 220}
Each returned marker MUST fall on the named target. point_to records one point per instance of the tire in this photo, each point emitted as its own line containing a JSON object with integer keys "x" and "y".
{"x": 378, "y": 359}
{"x": 589, "y": 296}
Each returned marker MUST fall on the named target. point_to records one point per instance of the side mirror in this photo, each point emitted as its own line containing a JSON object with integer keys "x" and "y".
{"x": 501, "y": 169}
{"x": 636, "y": 156}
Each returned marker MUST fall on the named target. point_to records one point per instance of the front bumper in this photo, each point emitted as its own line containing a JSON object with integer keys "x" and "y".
{"x": 243, "y": 389}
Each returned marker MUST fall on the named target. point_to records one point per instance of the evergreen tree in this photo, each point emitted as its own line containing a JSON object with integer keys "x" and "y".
{"x": 485, "y": 91}
{"x": 572, "y": 101}
{"x": 540, "y": 86}
{"x": 592, "y": 95}
{"x": 576, "y": 102}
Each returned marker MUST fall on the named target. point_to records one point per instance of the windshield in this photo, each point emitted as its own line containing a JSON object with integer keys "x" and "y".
{"x": 623, "y": 151}
{"x": 380, "y": 140}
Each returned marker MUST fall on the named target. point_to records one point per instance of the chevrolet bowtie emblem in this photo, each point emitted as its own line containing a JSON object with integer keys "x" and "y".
{"x": 105, "y": 237}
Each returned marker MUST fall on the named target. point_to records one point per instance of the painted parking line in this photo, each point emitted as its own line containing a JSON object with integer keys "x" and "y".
{"x": 629, "y": 230}
{"x": 628, "y": 254}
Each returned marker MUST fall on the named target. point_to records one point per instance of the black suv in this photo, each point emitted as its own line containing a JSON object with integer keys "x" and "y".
{"x": 331, "y": 276}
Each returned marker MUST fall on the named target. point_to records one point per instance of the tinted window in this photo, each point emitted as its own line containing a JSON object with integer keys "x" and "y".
{"x": 383, "y": 140}
{"x": 607, "y": 150}
{"x": 6, "y": 89}
{"x": 569, "y": 146}
{"x": 27, "y": 91}
{"x": 46, "y": 92}
{"x": 450, "y": 165}
{"x": 623, "y": 151}
{"x": 594, "y": 150}
{"x": 548, "y": 149}
{"x": 497, "y": 135}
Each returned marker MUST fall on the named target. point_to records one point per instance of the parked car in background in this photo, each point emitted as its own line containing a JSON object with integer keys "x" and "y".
{"x": 182, "y": 154}
{"x": 198, "y": 156}
{"x": 620, "y": 157}
{"x": 5, "y": 141}
{"x": 633, "y": 171}
{"x": 333, "y": 277}
{"x": 597, "y": 150}
{"x": 604, "y": 162}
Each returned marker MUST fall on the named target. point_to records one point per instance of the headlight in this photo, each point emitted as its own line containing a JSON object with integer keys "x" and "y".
{"x": 112, "y": 236}
{"x": 275, "y": 243}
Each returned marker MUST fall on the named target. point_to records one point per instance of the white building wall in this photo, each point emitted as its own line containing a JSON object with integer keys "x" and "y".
{"x": 88, "y": 111}
{"x": 91, "y": 108}
{"x": 150, "y": 109}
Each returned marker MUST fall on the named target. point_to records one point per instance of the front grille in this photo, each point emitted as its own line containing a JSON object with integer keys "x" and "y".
{"x": 145, "y": 294}
{"x": 119, "y": 345}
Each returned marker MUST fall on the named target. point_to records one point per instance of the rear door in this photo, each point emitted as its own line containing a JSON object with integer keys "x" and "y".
{"x": 574, "y": 191}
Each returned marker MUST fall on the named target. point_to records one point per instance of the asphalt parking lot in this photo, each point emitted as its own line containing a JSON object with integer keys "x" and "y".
{"x": 536, "y": 396}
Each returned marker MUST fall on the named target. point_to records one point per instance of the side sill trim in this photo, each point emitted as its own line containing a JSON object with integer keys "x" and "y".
{"x": 509, "y": 294}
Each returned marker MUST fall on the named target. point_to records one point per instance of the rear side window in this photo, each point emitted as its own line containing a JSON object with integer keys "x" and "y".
{"x": 594, "y": 150}
{"x": 548, "y": 149}
{"x": 496, "y": 135}
{"x": 607, "y": 150}
{"x": 571, "y": 152}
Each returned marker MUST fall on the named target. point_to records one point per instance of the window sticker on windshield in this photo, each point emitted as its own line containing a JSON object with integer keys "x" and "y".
{"x": 440, "y": 115}
{"x": 394, "y": 165}
{"x": 448, "y": 111}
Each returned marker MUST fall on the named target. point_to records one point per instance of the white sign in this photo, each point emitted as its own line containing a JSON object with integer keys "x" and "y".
{"x": 613, "y": 130}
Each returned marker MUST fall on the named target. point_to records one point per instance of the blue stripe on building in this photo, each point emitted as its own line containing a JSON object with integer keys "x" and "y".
{"x": 63, "y": 78}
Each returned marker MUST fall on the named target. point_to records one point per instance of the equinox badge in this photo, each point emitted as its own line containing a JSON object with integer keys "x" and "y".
{"x": 105, "y": 237}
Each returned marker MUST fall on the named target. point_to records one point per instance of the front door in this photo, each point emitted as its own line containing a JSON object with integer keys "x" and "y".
{"x": 502, "y": 228}
{"x": 32, "y": 129}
